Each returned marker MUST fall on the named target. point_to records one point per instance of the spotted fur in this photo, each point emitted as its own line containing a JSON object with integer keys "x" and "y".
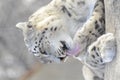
{"x": 96, "y": 47}
{"x": 51, "y": 32}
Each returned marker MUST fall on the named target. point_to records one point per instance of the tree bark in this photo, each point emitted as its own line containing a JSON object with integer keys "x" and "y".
{"x": 112, "y": 8}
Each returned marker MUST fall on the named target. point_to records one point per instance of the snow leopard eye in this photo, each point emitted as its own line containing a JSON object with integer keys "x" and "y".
{"x": 29, "y": 25}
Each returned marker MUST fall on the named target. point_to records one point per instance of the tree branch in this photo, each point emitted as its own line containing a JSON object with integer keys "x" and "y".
{"x": 112, "y": 8}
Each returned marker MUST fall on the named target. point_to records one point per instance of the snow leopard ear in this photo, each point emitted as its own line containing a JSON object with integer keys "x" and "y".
{"x": 21, "y": 25}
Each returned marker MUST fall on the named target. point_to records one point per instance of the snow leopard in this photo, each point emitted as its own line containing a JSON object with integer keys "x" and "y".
{"x": 53, "y": 33}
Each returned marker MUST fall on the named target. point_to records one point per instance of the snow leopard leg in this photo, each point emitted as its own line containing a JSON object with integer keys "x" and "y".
{"x": 100, "y": 52}
{"x": 92, "y": 29}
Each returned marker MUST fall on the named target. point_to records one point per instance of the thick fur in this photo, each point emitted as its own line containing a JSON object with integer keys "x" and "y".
{"x": 53, "y": 30}
{"x": 49, "y": 32}
{"x": 96, "y": 47}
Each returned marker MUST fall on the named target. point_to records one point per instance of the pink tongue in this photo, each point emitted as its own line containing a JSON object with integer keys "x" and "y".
{"x": 74, "y": 51}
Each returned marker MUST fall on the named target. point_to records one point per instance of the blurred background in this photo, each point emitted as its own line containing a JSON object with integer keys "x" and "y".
{"x": 15, "y": 61}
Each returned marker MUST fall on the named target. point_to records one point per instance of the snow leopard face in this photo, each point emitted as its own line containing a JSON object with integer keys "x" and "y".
{"x": 49, "y": 44}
